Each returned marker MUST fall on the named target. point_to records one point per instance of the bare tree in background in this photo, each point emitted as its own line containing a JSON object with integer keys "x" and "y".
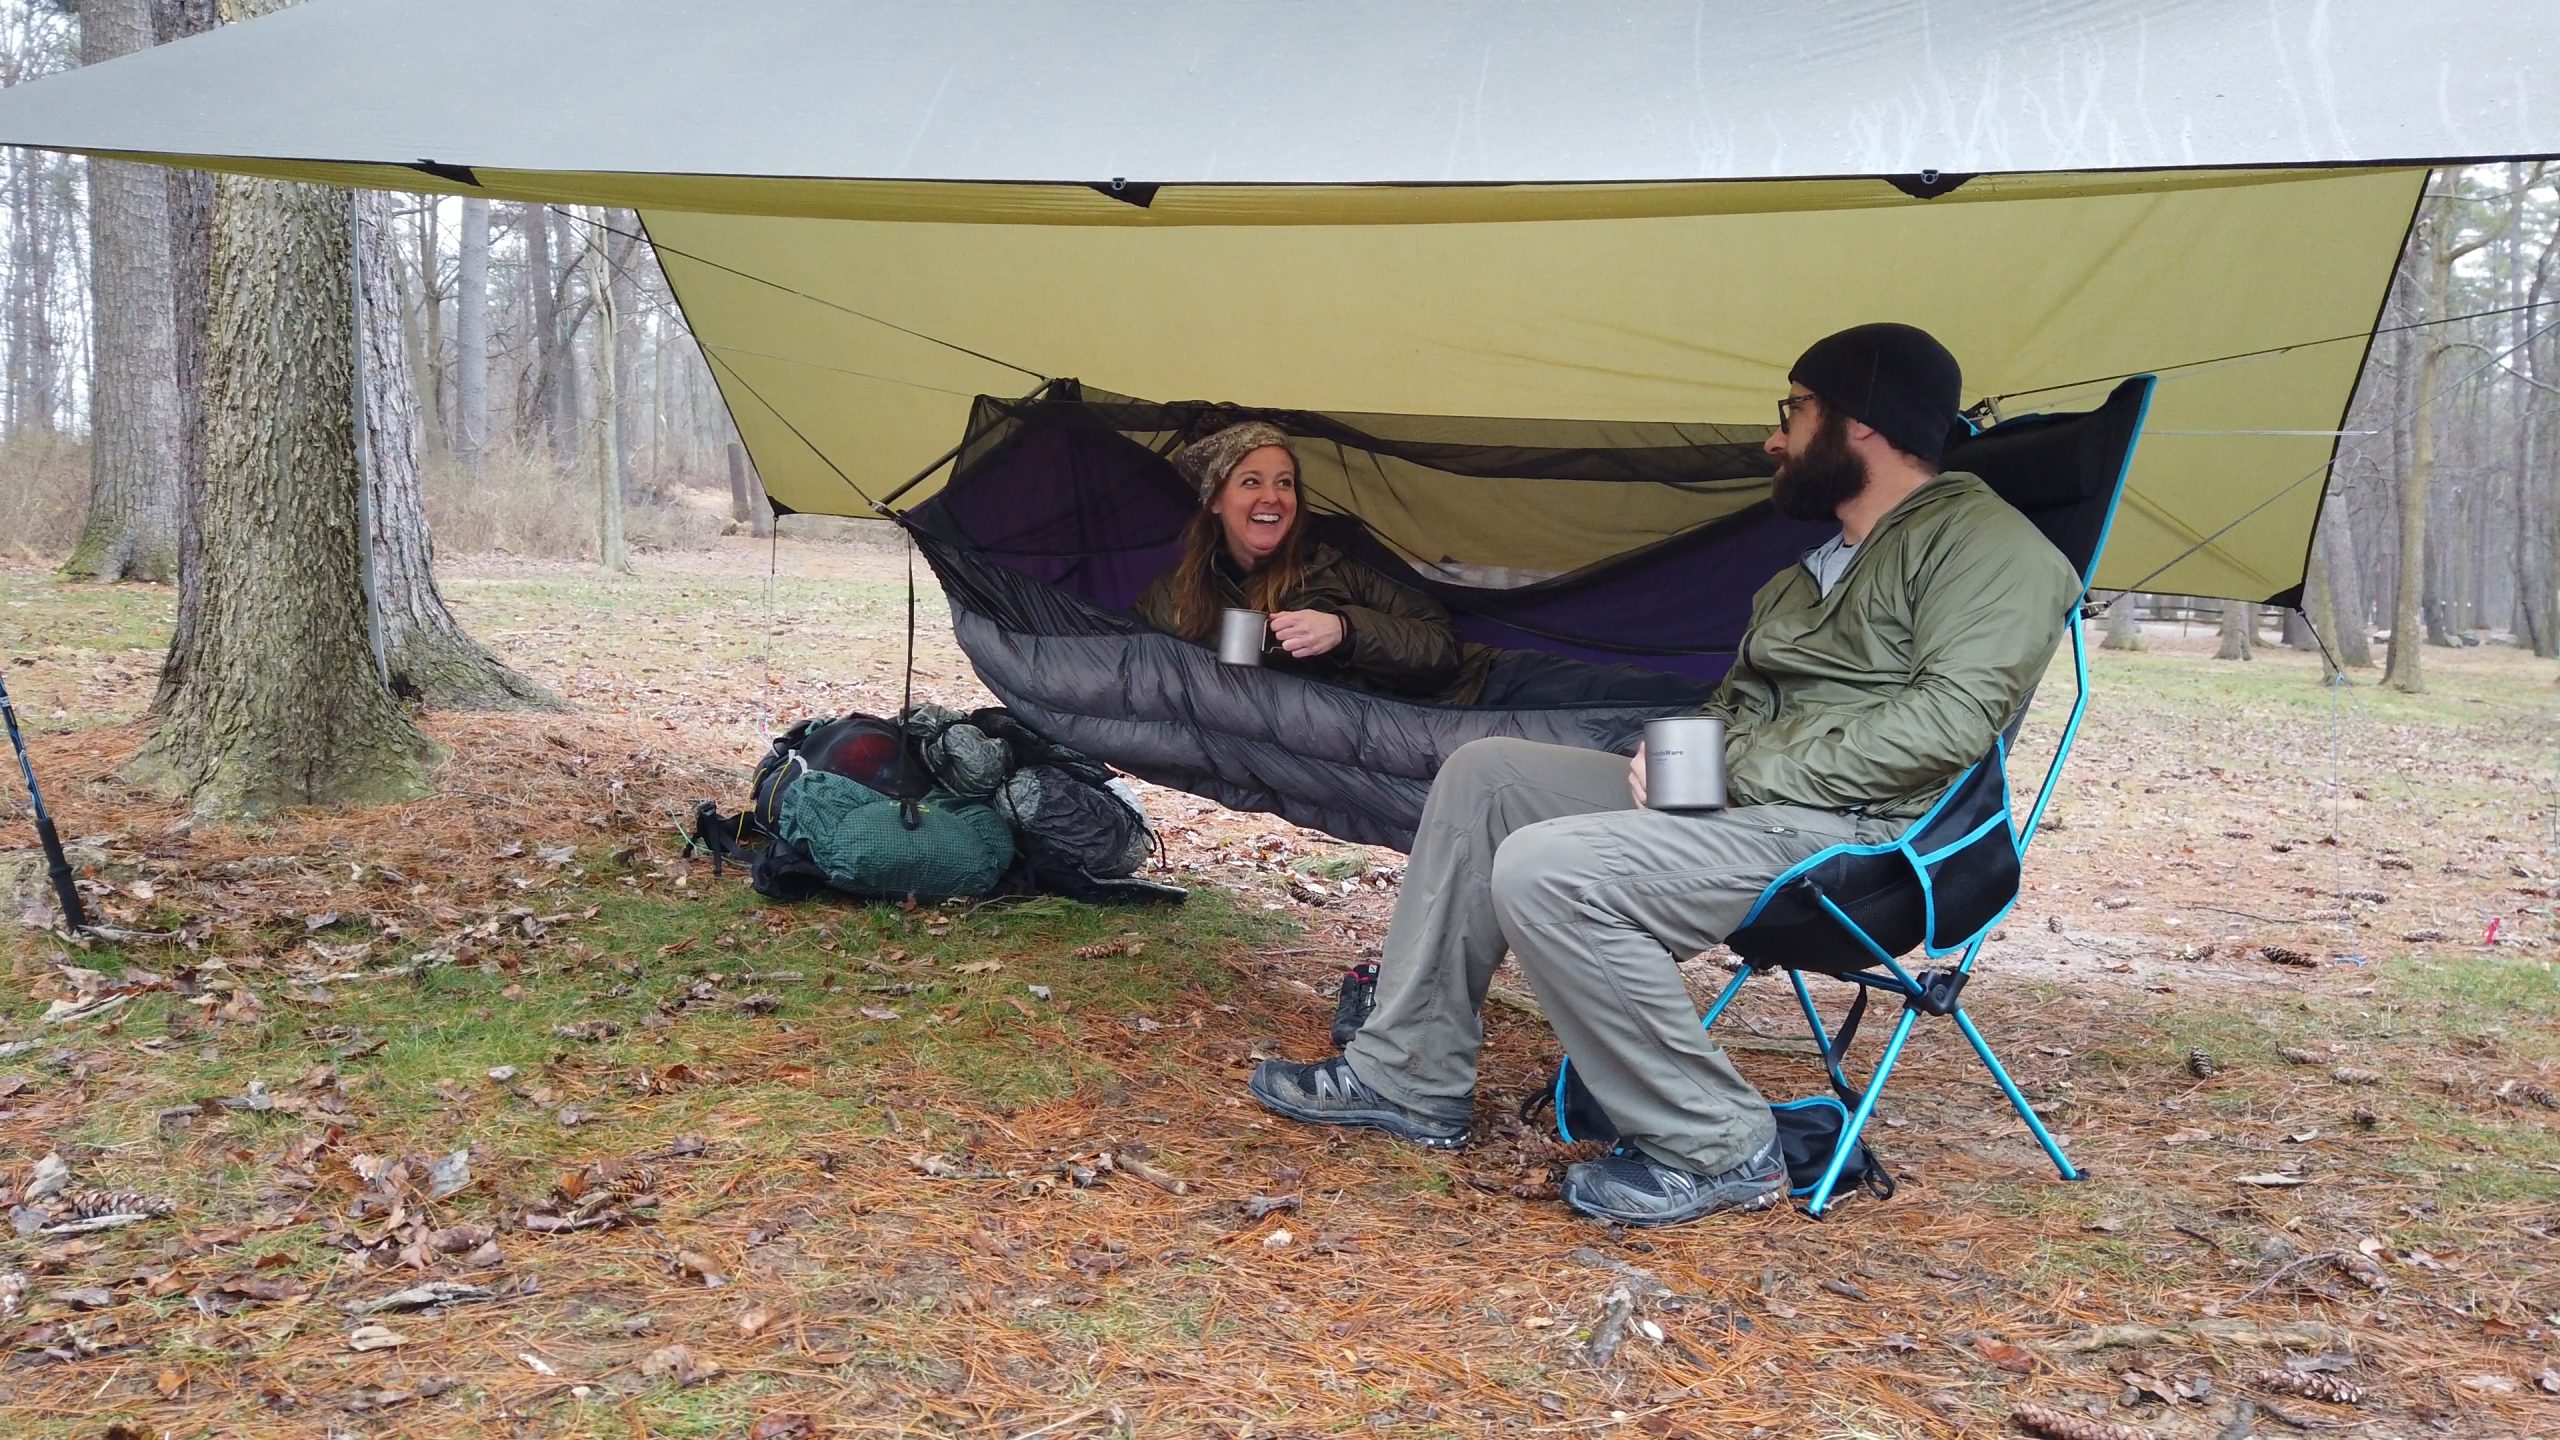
{"x": 2124, "y": 622}
{"x": 471, "y": 339}
{"x": 279, "y": 700}
{"x": 2239, "y": 630}
{"x": 2439, "y": 245}
{"x": 610, "y": 549}
{"x": 132, "y": 529}
{"x": 425, "y": 655}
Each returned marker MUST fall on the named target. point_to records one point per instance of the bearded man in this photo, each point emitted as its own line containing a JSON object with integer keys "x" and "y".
{"x": 1871, "y": 675}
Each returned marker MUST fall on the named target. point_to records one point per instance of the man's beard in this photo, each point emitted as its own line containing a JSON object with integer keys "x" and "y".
{"x": 1828, "y": 475}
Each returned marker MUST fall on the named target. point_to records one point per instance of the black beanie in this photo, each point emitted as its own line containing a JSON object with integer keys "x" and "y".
{"x": 1896, "y": 378}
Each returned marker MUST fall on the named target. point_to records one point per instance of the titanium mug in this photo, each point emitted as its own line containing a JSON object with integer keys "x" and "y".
{"x": 1243, "y": 635}
{"x": 1684, "y": 763}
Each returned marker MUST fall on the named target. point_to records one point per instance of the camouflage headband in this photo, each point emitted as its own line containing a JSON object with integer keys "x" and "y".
{"x": 1205, "y": 462}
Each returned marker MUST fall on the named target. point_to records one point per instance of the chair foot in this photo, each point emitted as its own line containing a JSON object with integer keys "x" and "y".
{"x": 2017, "y": 1100}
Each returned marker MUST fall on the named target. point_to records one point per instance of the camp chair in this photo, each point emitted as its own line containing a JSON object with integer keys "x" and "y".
{"x": 1853, "y": 911}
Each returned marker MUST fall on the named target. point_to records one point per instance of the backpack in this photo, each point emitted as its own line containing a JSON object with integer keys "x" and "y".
{"x": 862, "y": 748}
{"x": 1809, "y": 1131}
{"x": 1071, "y": 816}
{"x": 944, "y": 805}
{"x": 843, "y": 804}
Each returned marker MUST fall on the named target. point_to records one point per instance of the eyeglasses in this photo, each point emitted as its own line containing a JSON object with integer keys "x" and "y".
{"x": 1787, "y": 409}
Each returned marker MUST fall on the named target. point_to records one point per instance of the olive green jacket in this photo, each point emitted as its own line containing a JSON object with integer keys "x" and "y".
{"x": 1873, "y": 698}
{"x": 1396, "y": 639}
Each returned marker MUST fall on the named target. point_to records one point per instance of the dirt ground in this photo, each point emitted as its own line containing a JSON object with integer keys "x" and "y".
{"x": 2282, "y": 978}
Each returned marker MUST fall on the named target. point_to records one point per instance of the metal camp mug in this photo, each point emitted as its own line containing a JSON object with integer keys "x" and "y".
{"x": 1242, "y": 636}
{"x": 1684, "y": 763}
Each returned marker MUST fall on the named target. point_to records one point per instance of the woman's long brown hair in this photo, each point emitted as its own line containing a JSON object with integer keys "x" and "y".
{"x": 1196, "y": 601}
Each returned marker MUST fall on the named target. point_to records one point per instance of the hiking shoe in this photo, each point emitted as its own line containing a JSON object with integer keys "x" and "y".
{"x": 1632, "y": 1188}
{"x": 1328, "y": 1093}
{"x": 1359, "y": 996}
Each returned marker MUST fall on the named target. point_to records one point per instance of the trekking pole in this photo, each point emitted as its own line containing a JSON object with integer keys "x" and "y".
{"x": 55, "y": 860}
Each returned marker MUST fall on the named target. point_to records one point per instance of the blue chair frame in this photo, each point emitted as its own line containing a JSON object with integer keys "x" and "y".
{"x": 1896, "y": 869}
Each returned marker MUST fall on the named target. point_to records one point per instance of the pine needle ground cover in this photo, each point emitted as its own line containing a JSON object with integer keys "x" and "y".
{"x": 490, "y": 1114}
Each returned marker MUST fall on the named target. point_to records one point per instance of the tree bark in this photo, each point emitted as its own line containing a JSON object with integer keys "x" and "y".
{"x": 610, "y": 549}
{"x": 2400, "y": 669}
{"x": 471, "y": 339}
{"x": 2296, "y": 633}
{"x": 2437, "y": 240}
{"x": 281, "y": 703}
{"x": 743, "y": 481}
{"x": 2124, "y": 623}
{"x": 2239, "y": 626}
{"x": 190, "y": 195}
{"x": 426, "y": 656}
{"x": 623, "y": 291}
{"x": 132, "y": 529}
{"x": 434, "y": 395}
{"x": 2330, "y": 594}
{"x": 538, "y": 419}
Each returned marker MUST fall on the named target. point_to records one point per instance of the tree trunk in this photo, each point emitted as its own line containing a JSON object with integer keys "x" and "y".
{"x": 434, "y": 395}
{"x": 742, "y": 502}
{"x": 610, "y": 550}
{"x": 190, "y": 194}
{"x": 2438, "y": 232}
{"x": 430, "y": 435}
{"x": 471, "y": 339}
{"x": 2350, "y": 623}
{"x": 2296, "y": 631}
{"x": 538, "y": 420}
{"x": 281, "y": 703}
{"x": 2239, "y": 625}
{"x": 426, "y": 656}
{"x": 623, "y": 287}
{"x": 742, "y": 479}
{"x": 2400, "y": 668}
{"x": 2320, "y": 611}
{"x": 132, "y": 529}
{"x": 2124, "y": 623}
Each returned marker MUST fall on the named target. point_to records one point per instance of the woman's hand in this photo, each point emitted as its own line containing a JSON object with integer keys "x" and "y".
{"x": 1635, "y": 775}
{"x": 1306, "y": 634}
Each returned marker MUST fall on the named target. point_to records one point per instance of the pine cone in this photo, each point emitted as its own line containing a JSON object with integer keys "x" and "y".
{"x": 2281, "y": 955}
{"x": 2533, "y": 1094}
{"x": 2355, "y": 1075}
{"x": 2058, "y": 1425}
{"x": 90, "y": 1204}
{"x": 1104, "y": 950}
{"x": 2361, "y": 1269}
{"x": 2310, "y": 1385}
{"x": 2365, "y": 1118}
{"x": 2296, "y": 1055}
{"x": 2200, "y": 1064}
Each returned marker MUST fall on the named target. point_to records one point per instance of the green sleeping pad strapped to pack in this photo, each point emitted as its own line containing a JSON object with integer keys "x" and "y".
{"x": 863, "y": 840}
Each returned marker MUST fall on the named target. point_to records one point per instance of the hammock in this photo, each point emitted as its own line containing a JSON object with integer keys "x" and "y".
{"x": 1613, "y": 563}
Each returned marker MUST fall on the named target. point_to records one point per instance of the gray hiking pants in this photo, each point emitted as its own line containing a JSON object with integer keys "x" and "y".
{"x": 1540, "y": 849}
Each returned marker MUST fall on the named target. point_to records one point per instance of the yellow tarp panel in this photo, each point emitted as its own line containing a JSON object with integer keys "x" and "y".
{"x": 1686, "y": 307}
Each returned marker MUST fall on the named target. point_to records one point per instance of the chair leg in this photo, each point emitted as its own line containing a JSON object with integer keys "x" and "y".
{"x": 2009, "y": 1088}
{"x": 1732, "y": 988}
{"x": 1821, "y": 1033}
{"x": 1821, "y": 1197}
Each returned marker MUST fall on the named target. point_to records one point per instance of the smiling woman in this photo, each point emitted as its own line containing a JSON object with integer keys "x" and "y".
{"x": 1331, "y": 616}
